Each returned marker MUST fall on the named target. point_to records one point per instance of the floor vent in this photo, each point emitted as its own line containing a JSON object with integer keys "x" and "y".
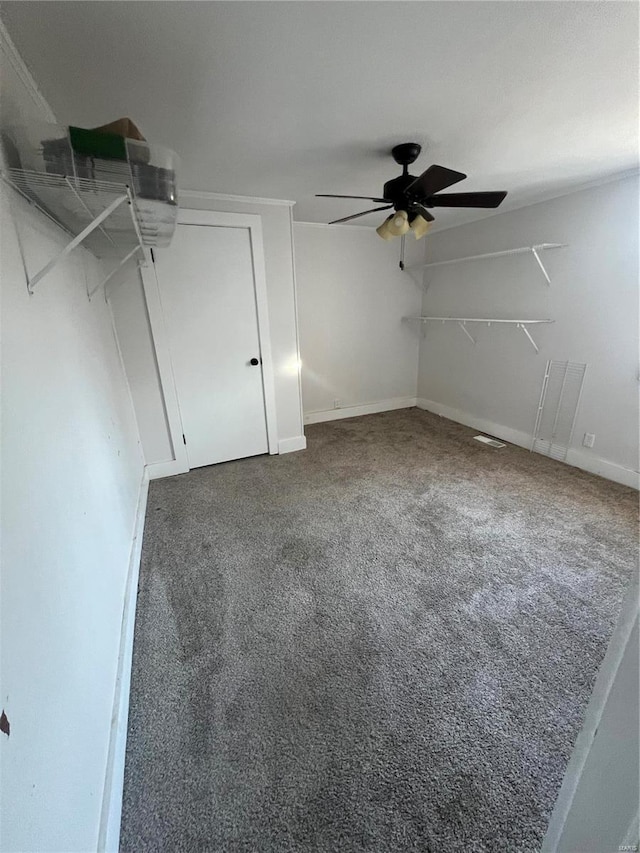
{"x": 490, "y": 441}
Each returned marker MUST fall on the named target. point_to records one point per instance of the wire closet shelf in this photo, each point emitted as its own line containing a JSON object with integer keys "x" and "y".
{"x": 462, "y": 322}
{"x": 521, "y": 250}
{"x": 104, "y": 216}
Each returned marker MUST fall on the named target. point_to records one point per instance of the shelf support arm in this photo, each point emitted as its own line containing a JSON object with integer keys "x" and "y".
{"x": 534, "y": 250}
{"x": 77, "y": 240}
{"x": 531, "y": 341}
{"x": 466, "y": 331}
{"x": 80, "y": 199}
{"x": 104, "y": 281}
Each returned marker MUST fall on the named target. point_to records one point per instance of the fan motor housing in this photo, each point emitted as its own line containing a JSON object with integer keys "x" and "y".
{"x": 395, "y": 189}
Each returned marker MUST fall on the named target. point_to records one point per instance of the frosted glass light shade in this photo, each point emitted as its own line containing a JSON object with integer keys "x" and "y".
{"x": 399, "y": 223}
{"x": 420, "y": 226}
{"x": 383, "y": 230}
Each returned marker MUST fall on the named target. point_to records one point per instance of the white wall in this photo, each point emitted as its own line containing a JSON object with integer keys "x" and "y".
{"x": 593, "y": 298}
{"x": 134, "y": 332}
{"x": 597, "y": 807}
{"x": 352, "y": 297}
{"x": 71, "y": 475}
{"x": 604, "y": 813}
{"x": 129, "y": 307}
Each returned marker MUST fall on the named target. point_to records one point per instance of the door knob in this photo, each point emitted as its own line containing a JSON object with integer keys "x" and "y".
{"x": 254, "y": 362}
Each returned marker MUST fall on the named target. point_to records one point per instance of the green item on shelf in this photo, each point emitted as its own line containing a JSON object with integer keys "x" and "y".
{"x": 90, "y": 143}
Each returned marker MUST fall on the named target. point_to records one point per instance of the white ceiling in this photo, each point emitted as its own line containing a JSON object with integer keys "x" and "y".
{"x": 285, "y": 100}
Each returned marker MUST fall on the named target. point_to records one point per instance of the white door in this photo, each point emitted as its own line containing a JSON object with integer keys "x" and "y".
{"x": 208, "y": 295}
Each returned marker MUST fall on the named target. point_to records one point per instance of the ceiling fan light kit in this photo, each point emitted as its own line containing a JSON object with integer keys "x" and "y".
{"x": 412, "y": 197}
{"x": 398, "y": 224}
{"x": 420, "y": 226}
{"x": 384, "y": 230}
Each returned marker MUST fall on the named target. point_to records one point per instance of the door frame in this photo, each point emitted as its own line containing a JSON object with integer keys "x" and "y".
{"x": 253, "y": 223}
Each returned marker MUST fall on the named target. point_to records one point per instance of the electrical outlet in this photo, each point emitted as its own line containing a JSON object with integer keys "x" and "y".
{"x": 589, "y": 439}
{"x": 337, "y": 404}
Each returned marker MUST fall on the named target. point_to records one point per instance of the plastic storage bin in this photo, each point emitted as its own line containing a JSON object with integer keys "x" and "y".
{"x": 149, "y": 170}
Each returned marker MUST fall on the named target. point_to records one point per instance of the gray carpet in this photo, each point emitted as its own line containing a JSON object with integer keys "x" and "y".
{"x": 385, "y": 643}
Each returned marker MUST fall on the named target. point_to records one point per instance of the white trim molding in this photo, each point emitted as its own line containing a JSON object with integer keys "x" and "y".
{"x": 158, "y": 470}
{"x": 17, "y": 63}
{"x": 550, "y": 195}
{"x": 242, "y": 199}
{"x": 512, "y": 436}
{"x": 111, "y": 811}
{"x": 290, "y": 445}
{"x": 253, "y": 223}
{"x": 297, "y": 316}
{"x": 180, "y": 463}
{"x": 602, "y": 467}
{"x": 362, "y": 409}
{"x": 342, "y": 226}
{"x": 575, "y": 456}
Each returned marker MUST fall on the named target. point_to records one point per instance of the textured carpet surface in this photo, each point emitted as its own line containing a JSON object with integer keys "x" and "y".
{"x": 385, "y": 643}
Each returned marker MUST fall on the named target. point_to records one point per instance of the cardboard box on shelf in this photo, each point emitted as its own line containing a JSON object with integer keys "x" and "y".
{"x": 121, "y": 127}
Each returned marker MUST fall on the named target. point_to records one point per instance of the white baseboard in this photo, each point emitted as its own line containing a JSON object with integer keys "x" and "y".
{"x": 356, "y": 411}
{"x": 576, "y": 457}
{"x": 109, "y": 830}
{"x": 602, "y": 467}
{"x": 513, "y": 436}
{"x": 157, "y": 470}
{"x": 290, "y": 445}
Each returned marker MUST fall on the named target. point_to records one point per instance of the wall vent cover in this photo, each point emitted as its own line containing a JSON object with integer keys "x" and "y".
{"x": 490, "y": 441}
{"x": 558, "y": 407}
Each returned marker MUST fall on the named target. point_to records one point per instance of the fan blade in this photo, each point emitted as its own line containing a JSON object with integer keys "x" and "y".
{"x": 363, "y": 197}
{"x": 422, "y": 210}
{"x": 494, "y": 199}
{"x": 436, "y": 178}
{"x": 356, "y": 215}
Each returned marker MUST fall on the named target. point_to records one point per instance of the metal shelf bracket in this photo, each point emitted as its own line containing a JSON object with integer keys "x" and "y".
{"x": 527, "y": 333}
{"x": 463, "y": 326}
{"x": 118, "y": 267}
{"x": 33, "y": 280}
{"x": 534, "y": 250}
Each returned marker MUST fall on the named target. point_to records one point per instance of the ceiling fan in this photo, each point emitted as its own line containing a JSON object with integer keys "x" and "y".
{"x": 412, "y": 197}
